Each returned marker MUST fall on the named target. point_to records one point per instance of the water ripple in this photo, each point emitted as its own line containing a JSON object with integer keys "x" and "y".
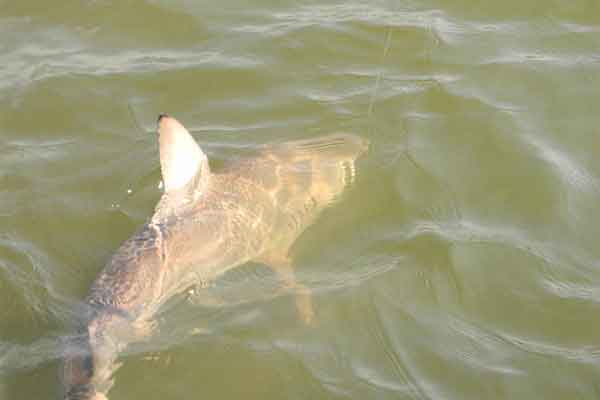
{"x": 35, "y": 64}
{"x": 532, "y": 59}
{"x": 15, "y": 357}
{"x": 571, "y": 172}
{"x": 474, "y": 232}
{"x": 584, "y": 354}
{"x": 434, "y": 21}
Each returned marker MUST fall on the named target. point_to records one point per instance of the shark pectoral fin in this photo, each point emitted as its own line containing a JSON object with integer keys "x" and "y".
{"x": 304, "y": 304}
{"x": 282, "y": 266}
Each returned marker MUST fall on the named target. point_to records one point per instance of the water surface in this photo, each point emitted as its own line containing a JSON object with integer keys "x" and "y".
{"x": 462, "y": 265}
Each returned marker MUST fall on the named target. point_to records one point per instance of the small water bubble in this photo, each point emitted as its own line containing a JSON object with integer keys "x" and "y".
{"x": 200, "y": 331}
{"x": 160, "y": 185}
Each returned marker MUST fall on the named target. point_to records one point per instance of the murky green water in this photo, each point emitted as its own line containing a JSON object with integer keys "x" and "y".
{"x": 462, "y": 265}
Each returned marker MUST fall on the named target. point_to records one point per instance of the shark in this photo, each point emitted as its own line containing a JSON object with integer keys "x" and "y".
{"x": 205, "y": 224}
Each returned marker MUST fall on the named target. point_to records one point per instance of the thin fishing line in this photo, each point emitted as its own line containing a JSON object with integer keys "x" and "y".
{"x": 136, "y": 122}
{"x": 386, "y": 49}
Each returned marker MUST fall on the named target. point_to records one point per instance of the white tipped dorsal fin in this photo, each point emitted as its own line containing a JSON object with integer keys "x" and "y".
{"x": 181, "y": 159}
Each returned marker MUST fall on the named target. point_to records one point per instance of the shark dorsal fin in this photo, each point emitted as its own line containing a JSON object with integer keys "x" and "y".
{"x": 181, "y": 159}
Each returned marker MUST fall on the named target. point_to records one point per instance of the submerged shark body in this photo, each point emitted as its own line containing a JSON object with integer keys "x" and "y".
{"x": 204, "y": 225}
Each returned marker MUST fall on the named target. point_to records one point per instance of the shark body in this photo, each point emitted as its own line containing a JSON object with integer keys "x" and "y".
{"x": 205, "y": 224}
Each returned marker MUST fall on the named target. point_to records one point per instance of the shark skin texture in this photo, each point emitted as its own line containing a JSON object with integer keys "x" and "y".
{"x": 205, "y": 224}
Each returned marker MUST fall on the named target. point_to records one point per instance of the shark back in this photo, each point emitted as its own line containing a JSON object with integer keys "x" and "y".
{"x": 298, "y": 179}
{"x": 204, "y": 224}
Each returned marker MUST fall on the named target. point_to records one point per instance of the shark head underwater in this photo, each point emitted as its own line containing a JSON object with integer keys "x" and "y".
{"x": 204, "y": 224}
